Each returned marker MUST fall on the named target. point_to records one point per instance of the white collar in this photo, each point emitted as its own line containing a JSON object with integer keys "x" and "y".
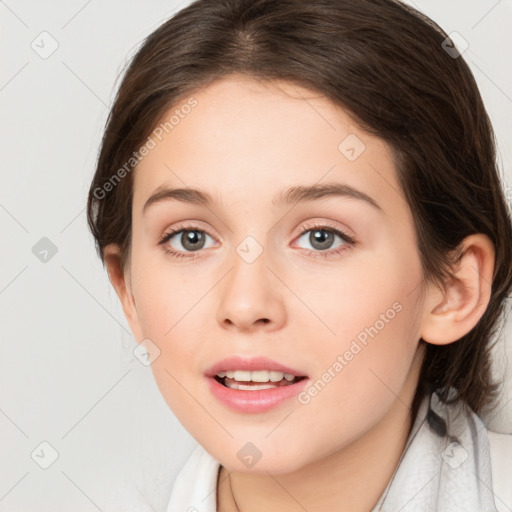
{"x": 445, "y": 467}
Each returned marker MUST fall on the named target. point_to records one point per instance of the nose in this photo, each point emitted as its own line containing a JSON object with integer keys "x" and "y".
{"x": 251, "y": 296}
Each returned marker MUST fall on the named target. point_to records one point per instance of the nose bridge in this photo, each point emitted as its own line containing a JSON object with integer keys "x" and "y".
{"x": 249, "y": 294}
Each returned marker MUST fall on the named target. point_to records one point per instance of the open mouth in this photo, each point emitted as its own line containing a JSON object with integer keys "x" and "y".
{"x": 254, "y": 385}
{"x": 256, "y": 380}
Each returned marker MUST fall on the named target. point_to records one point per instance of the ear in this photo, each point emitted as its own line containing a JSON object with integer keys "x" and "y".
{"x": 120, "y": 280}
{"x": 452, "y": 312}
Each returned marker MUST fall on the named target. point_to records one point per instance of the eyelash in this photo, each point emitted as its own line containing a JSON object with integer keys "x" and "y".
{"x": 349, "y": 241}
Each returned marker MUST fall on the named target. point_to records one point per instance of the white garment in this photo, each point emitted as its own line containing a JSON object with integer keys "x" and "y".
{"x": 451, "y": 463}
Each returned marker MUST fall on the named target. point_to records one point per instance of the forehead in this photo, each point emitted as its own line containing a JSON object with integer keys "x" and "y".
{"x": 244, "y": 141}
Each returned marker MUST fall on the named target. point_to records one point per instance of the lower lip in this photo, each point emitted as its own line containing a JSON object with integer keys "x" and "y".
{"x": 254, "y": 401}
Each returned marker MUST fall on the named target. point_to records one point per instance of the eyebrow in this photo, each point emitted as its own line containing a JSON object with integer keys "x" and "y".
{"x": 291, "y": 195}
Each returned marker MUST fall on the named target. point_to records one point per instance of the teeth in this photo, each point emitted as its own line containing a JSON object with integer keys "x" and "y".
{"x": 256, "y": 376}
{"x": 276, "y": 376}
{"x": 241, "y": 375}
{"x": 264, "y": 376}
{"x": 250, "y": 387}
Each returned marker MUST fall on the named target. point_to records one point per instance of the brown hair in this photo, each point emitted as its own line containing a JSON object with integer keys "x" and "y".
{"x": 386, "y": 64}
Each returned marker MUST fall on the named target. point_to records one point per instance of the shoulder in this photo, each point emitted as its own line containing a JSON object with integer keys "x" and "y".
{"x": 194, "y": 489}
{"x": 500, "y": 446}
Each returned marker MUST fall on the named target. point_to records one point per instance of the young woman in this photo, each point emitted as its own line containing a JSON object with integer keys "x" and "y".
{"x": 299, "y": 207}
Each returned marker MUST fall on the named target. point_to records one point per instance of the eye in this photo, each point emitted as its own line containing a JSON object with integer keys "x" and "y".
{"x": 190, "y": 239}
{"x": 322, "y": 237}
{"x": 184, "y": 241}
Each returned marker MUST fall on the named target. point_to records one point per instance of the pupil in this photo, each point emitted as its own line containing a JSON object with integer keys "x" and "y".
{"x": 190, "y": 239}
{"x": 321, "y": 237}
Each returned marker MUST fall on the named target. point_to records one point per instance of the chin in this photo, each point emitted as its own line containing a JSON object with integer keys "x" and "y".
{"x": 276, "y": 464}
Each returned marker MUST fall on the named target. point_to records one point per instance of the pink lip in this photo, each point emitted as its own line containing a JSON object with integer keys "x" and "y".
{"x": 253, "y": 401}
{"x": 251, "y": 364}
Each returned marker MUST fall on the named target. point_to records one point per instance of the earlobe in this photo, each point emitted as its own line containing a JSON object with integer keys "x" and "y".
{"x": 452, "y": 312}
{"x": 120, "y": 281}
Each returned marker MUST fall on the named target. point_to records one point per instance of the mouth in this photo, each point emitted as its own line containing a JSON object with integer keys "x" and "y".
{"x": 254, "y": 385}
{"x": 256, "y": 380}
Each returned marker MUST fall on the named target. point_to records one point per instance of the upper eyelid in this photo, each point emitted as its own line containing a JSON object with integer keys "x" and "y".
{"x": 187, "y": 227}
{"x": 322, "y": 225}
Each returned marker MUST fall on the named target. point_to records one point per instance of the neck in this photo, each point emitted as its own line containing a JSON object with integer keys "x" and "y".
{"x": 349, "y": 480}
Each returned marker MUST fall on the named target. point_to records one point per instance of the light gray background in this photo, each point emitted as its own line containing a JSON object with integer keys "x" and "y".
{"x": 68, "y": 375}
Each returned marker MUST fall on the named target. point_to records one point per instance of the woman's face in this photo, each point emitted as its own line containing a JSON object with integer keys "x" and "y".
{"x": 259, "y": 276}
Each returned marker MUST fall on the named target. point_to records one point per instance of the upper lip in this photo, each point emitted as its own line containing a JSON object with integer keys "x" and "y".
{"x": 251, "y": 364}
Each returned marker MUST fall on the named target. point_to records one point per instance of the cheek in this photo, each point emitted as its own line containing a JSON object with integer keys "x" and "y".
{"x": 169, "y": 306}
{"x": 362, "y": 359}
{"x": 374, "y": 367}
{"x": 367, "y": 296}
{"x": 163, "y": 297}
{"x": 378, "y": 356}
{"x": 357, "y": 382}
{"x": 169, "y": 303}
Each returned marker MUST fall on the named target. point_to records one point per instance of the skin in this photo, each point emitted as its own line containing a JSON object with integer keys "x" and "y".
{"x": 244, "y": 143}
